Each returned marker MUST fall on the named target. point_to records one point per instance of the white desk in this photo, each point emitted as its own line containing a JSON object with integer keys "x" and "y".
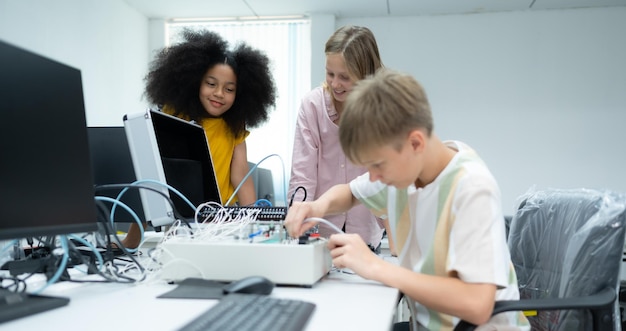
{"x": 343, "y": 302}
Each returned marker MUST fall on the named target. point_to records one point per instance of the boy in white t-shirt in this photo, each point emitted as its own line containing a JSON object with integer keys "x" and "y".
{"x": 442, "y": 203}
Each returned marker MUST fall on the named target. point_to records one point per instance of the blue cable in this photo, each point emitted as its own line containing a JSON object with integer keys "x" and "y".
{"x": 60, "y": 269}
{"x": 121, "y": 204}
{"x": 263, "y": 203}
{"x": 122, "y": 192}
{"x": 240, "y": 184}
{"x": 130, "y": 210}
{"x": 10, "y": 244}
{"x": 254, "y": 234}
{"x": 92, "y": 247}
{"x": 252, "y": 170}
{"x": 182, "y": 196}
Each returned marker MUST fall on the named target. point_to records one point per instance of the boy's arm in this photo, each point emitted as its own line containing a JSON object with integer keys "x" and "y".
{"x": 450, "y": 295}
{"x": 238, "y": 170}
{"x": 336, "y": 200}
{"x": 472, "y": 302}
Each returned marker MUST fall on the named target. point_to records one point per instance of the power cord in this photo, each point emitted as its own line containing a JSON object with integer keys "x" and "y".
{"x": 294, "y": 194}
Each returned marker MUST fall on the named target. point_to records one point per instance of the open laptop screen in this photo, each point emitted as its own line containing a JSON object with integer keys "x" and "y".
{"x": 166, "y": 148}
{"x": 186, "y": 159}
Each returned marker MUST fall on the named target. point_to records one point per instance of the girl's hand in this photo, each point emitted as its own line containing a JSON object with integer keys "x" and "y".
{"x": 294, "y": 221}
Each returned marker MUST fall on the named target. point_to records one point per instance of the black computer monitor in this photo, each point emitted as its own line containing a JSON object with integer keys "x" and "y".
{"x": 46, "y": 184}
{"x": 112, "y": 164}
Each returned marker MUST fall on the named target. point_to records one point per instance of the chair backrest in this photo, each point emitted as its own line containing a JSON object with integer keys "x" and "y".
{"x": 263, "y": 183}
{"x": 567, "y": 243}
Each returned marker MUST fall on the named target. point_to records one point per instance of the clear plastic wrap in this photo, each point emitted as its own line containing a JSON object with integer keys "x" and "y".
{"x": 567, "y": 243}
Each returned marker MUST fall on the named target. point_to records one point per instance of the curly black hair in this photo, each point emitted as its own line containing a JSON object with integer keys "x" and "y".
{"x": 176, "y": 74}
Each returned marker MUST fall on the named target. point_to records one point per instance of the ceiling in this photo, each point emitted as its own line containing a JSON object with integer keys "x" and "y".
{"x": 347, "y": 8}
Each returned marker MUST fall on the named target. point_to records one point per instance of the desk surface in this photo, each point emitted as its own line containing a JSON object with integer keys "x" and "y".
{"x": 343, "y": 302}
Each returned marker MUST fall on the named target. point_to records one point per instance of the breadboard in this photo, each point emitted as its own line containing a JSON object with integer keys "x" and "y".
{"x": 283, "y": 264}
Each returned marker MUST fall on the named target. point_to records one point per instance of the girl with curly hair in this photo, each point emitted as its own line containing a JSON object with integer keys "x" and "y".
{"x": 225, "y": 91}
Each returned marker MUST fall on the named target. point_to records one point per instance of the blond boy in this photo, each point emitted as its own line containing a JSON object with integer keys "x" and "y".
{"x": 442, "y": 203}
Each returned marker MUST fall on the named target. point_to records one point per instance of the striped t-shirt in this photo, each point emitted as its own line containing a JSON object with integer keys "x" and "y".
{"x": 454, "y": 224}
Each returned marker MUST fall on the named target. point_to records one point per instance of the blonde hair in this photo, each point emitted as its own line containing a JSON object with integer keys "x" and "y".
{"x": 359, "y": 49}
{"x": 381, "y": 110}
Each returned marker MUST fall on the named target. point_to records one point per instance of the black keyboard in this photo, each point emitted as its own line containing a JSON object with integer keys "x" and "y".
{"x": 262, "y": 213}
{"x": 257, "y": 312}
{"x": 15, "y": 305}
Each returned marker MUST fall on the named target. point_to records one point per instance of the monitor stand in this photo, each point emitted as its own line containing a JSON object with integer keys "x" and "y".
{"x": 14, "y": 305}
{"x": 46, "y": 264}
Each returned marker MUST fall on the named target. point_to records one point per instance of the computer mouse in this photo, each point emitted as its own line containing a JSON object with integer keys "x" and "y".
{"x": 251, "y": 284}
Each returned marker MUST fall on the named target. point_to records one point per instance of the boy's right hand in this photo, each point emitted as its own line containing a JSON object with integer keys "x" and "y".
{"x": 297, "y": 213}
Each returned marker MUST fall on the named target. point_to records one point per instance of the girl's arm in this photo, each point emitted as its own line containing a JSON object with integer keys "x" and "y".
{"x": 238, "y": 170}
{"x": 337, "y": 199}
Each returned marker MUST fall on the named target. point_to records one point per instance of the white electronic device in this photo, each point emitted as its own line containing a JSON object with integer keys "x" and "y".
{"x": 229, "y": 260}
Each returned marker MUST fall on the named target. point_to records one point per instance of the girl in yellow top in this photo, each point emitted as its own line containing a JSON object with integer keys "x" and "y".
{"x": 225, "y": 92}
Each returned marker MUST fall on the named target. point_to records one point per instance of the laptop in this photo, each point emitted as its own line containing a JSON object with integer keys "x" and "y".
{"x": 170, "y": 150}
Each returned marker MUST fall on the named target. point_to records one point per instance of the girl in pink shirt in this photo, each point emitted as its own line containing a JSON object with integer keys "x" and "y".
{"x": 318, "y": 162}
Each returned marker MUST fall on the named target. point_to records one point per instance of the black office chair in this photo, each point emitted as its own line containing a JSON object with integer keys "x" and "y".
{"x": 566, "y": 246}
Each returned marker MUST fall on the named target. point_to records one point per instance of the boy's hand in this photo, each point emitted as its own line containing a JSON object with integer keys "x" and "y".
{"x": 350, "y": 251}
{"x": 297, "y": 213}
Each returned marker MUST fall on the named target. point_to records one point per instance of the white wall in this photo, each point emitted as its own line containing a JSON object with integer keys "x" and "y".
{"x": 322, "y": 27}
{"x": 540, "y": 95}
{"x": 106, "y": 40}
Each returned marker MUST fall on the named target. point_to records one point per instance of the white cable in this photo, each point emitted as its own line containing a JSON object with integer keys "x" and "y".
{"x": 325, "y": 221}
